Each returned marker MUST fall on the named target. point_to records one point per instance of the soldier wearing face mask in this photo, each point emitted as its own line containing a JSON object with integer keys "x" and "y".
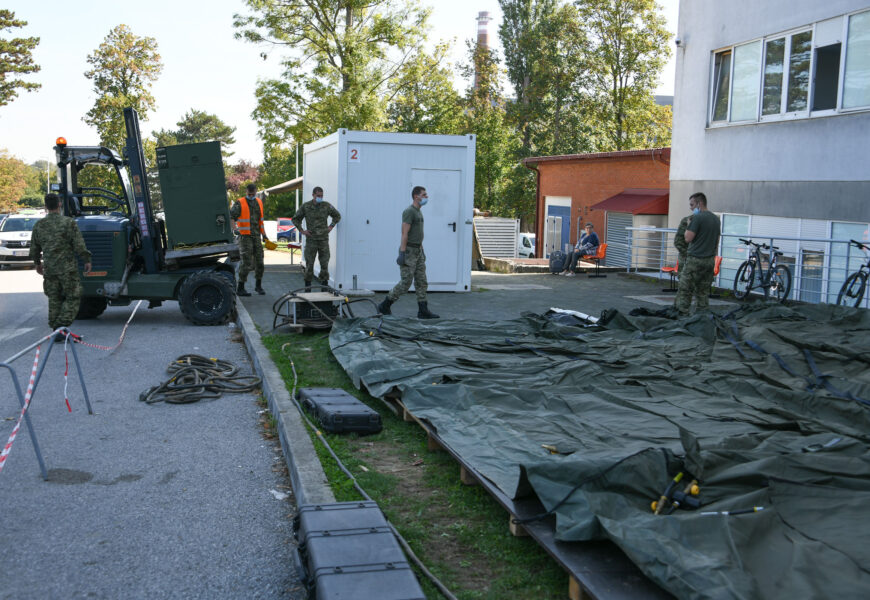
{"x": 247, "y": 212}
{"x": 316, "y": 213}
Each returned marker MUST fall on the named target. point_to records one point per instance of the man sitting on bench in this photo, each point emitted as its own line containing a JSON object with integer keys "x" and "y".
{"x": 586, "y": 245}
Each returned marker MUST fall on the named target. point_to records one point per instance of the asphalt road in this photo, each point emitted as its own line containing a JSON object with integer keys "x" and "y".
{"x": 156, "y": 501}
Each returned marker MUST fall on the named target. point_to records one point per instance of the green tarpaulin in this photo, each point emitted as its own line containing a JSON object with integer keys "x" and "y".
{"x": 766, "y": 407}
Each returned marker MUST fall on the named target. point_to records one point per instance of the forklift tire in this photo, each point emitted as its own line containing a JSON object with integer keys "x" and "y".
{"x": 206, "y": 298}
{"x": 91, "y": 307}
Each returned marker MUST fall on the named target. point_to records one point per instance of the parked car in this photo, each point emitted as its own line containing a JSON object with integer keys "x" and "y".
{"x": 526, "y": 245}
{"x": 15, "y": 232}
{"x": 287, "y": 231}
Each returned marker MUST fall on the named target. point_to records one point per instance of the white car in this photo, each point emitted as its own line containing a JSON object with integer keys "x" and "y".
{"x": 15, "y": 232}
{"x": 526, "y": 245}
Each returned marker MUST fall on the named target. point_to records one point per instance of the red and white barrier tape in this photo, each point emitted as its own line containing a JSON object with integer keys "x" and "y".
{"x": 120, "y": 340}
{"x": 8, "y": 447}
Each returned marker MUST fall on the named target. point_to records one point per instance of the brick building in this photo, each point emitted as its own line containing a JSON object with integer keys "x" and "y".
{"x": 569, "y": 186}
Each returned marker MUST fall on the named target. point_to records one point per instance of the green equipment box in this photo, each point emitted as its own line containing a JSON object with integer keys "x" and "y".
{"x": 194, "y": 195}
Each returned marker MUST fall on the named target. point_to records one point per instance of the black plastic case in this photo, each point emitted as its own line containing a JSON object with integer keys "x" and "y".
{"x": 346, "y": 550}
{"x": 340, "y": 412}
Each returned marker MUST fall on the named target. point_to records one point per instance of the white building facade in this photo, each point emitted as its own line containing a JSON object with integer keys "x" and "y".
{"x": 772, "y": 122}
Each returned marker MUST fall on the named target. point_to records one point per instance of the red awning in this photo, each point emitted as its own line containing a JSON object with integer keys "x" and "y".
{"x": 637, "y": 201}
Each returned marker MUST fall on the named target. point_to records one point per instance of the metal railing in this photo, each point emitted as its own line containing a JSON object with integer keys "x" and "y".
{"x": 818, "y": 266}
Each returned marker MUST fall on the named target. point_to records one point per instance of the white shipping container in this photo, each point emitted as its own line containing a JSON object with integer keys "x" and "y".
{"x": 368, "y": 177}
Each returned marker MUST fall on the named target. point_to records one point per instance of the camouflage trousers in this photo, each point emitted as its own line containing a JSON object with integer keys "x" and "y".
{"x": 251, "y": 250}
{"x": 413, "y": 271}
{"x": 316, "y": 249}
{"x": 695, "y": 282}
{"x": 681, "y": 262}
{"x": 64, "y": 293}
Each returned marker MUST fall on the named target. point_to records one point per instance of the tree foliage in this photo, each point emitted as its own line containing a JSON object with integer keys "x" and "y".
{"x": 198, "y": 126}
{"x": 13, "y": 181}
{"x": 629, "y": 48}
{"x": 16, "y": 59}
{"x": 123, "y": 68}
{"x": 342, "y": 53}
{"x": 279, "y": 165}
{"x": 422, "y": 97}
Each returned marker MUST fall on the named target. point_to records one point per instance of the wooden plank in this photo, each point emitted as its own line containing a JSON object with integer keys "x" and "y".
{"x": 516, "y": 529}
{"x": 466, "y": 477}
{"x": 432, "y": 444}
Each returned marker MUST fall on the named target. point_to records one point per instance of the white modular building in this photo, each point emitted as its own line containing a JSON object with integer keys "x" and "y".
{"x": 368, "y": 176}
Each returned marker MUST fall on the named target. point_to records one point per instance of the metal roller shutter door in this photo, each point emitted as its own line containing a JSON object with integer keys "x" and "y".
{"x": 617, "y": 238}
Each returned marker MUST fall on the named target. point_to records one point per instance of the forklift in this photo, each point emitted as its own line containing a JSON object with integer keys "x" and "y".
{"x": 136, "y": 255}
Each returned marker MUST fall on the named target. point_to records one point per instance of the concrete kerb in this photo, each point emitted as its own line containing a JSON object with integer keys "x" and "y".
{"x": 306, "y": 473}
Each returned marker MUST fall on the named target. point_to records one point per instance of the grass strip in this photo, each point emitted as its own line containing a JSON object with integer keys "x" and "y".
{"x": 460, "y": 532}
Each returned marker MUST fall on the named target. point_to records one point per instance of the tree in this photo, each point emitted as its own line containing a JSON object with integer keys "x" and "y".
{"x": 422, "y": 97}
{"x": 123, "y": 68}
{"x": 279, "y": 165}
{"x": 239, "y": 176}
{"x": 13, "y": 181}
{"x": 629, "y": 50}
{"x": 15, "y": 59}
{"x": 343, "y": 53}
{"x": 198, "y": 126}
{"x": 497, "y": 142}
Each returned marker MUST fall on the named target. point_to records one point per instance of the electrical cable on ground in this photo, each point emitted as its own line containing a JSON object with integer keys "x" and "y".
{"x": 407, "y": 548}
{"x": 195, "y": 378}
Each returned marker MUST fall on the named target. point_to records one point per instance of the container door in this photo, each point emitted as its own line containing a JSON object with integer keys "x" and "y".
{"x": 442, "y": 224}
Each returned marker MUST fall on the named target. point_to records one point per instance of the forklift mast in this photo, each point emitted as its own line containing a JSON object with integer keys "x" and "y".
{"x": 143, "y": 217}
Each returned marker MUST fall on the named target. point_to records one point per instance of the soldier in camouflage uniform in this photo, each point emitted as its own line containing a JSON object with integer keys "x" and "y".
{"x": 703, "y": 237}
{"x": 681, "y": 244}
{"x": 412, "y": 259}
{"x": 316, "y": 212}
{"x": 247, "y": 212}
{"x": 54, "y": 244}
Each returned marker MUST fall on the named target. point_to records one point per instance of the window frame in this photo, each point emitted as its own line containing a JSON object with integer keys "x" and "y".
{"x": 787, "y": 35}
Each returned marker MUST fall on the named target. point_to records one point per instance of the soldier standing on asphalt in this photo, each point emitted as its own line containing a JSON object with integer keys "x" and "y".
{"x": 703, "y": 237}
{"x": 316, "y": 212}
{"x": 247, "y": 212}
{"x": 412, "y": 259}
{"x": 54, "y": 244}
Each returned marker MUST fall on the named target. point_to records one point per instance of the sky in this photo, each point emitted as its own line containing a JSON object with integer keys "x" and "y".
{"x": 204, "y": 67}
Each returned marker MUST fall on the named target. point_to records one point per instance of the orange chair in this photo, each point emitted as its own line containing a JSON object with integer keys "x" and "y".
{"x": 717, "y": 265}
{"x": 673, "y": 272}
{"x": 597, "y": 258}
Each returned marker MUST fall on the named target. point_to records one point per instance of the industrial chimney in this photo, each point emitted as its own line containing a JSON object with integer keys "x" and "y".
{"x": 483, "y": 20}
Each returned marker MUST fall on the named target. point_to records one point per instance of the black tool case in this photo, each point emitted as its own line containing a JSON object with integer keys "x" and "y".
{"x": 346, "y": 550}
{"x": 340, "y": 412}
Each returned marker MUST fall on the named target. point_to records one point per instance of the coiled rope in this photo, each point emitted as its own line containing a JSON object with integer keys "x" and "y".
{"x": 196, "y": 377}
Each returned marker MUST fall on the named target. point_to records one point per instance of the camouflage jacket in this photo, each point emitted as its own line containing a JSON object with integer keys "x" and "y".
{"x": 680, "y": 242}
{"x": 315, "y": 215}
{"x": 56, "y": 241}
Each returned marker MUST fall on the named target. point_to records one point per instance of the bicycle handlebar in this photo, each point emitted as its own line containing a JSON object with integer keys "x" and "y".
{"x": 860, "y": 245}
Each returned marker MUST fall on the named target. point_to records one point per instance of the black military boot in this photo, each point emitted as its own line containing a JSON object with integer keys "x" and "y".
{"x": 384, "y": 307}
{"x": 424, "y": 313}
{"x": 307, "y": 285}
{"x": 259, "y": 287}
{"x": 241, "y": 291}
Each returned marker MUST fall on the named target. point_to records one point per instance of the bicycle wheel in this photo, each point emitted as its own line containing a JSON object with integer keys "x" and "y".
{"x": 779, "y": 286}
{"x": 853, "y": 289}
{"x": 743, "y": 280}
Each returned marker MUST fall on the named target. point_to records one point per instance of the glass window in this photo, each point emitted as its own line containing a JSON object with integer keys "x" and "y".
{"x": 774, "y": 61}
{"x": 744, "y": 90}
{"x": 827, "y": 77}
{"x": 799, "y": 71}
{"x": 856, "y": 80}
{"x": 733, "y": 250}
{"x": 812, "y": 275}
{"x": 721, "y": 85}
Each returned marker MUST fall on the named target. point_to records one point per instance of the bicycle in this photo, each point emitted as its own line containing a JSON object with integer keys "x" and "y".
{"x": 855, "y": 284}
{"x": 775, "y": 280}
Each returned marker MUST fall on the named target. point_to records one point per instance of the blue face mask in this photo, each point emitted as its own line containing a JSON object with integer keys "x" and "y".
{"x": 318, "y": 198}
{"x": 423, "y": 201}
{"x": 249, "y": 197}
{"x": 696, "y": 211}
